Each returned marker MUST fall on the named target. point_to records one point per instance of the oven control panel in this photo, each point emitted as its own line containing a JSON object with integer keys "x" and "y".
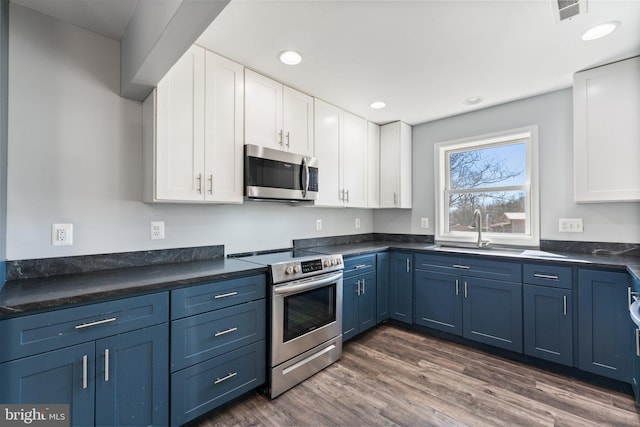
{"x": 293, "y": 270}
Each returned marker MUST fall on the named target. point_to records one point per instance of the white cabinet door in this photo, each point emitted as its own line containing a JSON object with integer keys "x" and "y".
{"x": 395, "y": 165}
{"x": 373, "y": 165}
{"x": 354, "y": 161}
{"x": 223, "y": 150}
{"x": 262, "y": 111}
{"x": 297, "y": 122}
{"x": 179, "y": 144}
{"x": 606, "y": 133}
{"x": 328, "y": 135}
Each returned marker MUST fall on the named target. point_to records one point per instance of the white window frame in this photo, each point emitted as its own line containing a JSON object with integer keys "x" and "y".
{"x": 531, "y": 237}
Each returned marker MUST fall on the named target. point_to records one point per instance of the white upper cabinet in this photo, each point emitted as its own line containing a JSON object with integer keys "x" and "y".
{"x": 606, "y": 108}
{"x": 354, "y": 161}
{"x": 395, "y": 165}
{"x": 341, "y": 150}
{"x": 373, "y": 165}
{"x": 192, "y": 132}
{"x": 329, "y": 128}
{"x": 277, "y": 116}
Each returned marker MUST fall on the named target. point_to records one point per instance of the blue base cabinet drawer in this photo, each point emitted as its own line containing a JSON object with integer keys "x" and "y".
{"x": 547, "y": 275}
{"x": 201, "y": 388}
{"x": 198, "y": 338}
{"x": 359, "y": 265}
{"x": 202, "y": 298}
{"x": 37, "y": 333}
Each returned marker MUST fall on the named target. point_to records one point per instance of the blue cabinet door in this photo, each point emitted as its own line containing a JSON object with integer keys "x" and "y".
{"x": 382, "y": 284}
{"x": 401, "y": 286}
{"x": 349, "y": 307}
{"x": 605, "y": 335}
{"x": 367, "y": 301}
{"x": 132, "y": 378}
{"x": 62, "y": 376}
{"x": 438, "y": 301}
{"x": 548, "y": 323}
{"x": 492, "y": 312}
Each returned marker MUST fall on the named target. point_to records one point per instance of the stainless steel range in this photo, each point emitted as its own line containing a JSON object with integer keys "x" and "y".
{"x": 306, "y": 315}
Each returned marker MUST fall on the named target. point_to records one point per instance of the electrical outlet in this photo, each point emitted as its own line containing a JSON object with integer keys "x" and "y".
{"x": 570, "y": 225}
{"x": 424, "y": 222}
{"x": 318, "y": 224}
{"x": 357, "y": 222}
{"x": 157, "y": 230}
{"x": 61, "y": 234}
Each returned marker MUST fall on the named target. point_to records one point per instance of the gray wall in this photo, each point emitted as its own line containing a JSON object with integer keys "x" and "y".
{"x": 75, "y": 155}
{"x": 552, "y": 112}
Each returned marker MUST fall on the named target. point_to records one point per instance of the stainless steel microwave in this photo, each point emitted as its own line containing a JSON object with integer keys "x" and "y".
{"x": 279, "y": 175}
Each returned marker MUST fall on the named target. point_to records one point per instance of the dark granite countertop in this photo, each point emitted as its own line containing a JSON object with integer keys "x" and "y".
{"x": 630, "y": 263}
{"x": 31, "y": 295}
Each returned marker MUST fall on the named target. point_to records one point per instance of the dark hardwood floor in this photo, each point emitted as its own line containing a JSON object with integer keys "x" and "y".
{"x": 392, "y": 376}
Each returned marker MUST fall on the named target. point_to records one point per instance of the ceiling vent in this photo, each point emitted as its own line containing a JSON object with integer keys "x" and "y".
{"x": 567, "y": 9}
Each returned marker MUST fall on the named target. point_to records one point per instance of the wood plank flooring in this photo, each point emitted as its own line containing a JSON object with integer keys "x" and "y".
{"x": 392, "y": 376}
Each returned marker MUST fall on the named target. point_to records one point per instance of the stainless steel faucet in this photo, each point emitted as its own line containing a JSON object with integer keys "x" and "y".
{"x": 477, "y": 218}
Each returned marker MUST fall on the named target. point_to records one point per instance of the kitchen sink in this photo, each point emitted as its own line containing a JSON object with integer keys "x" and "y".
{"x": 634, "y": 309}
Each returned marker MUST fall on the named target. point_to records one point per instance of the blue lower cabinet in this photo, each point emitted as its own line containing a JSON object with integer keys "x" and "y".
{"x": 382, "y": 285}
{"x": 605, "y": 340}
{"x": 55, "y": 377}
{"x": 203, "y": 387}
{"x": 492, "y": 312}
{"x": 401, "y": 286}
{"x": 438, "y": 301}
{"x": 132, "y": 381}
{"x": 358, "y": 304}
{"x": 548, "y": 323}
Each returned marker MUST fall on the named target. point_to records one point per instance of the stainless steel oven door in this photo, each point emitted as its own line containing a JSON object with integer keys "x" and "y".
{"x": 305, "y": 313}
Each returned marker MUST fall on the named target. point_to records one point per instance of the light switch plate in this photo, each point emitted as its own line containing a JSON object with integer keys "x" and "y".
{"x": 570, "y": 225}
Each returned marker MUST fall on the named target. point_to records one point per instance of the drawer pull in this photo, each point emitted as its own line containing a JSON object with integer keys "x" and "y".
{"x": 637, "y": 342}
{"x": 99, "y": 322}
{"x": 84, "y": 371}
{"x": 217, "y": 334}
{"x": 462, "y": 267}
{"x": 546, "y": 276}
{"x": 359, "y": 266}
{"x": 230, "y": 294}
{"x": 227, "y": 377}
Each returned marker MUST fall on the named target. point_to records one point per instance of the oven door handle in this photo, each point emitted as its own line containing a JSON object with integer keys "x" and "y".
{"x": 306, "y": 285}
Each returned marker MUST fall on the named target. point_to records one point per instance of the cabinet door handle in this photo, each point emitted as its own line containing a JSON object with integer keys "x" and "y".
{"x": 96, "y": 323}
{"x": 408, "y": 265}
{"x": 199, "y": 180}
{"x": 465, "y": 288}
{"x": 638, "y": 342}
{"x": 358, "y": 291}
{"x": 461, "y": 267}
{"x": 106, "y": 364}
{"x": 217, "y": 334}
{"x": 280, "y": 137}
{"x": 226, "y": 377}
{"x": 629, "y": 301}
{"x": 395, "y": 199}
{"x": 565, "y": 304}
{"x": 210, "y": 183}
{"x": 347, "y": 193}
{"x": 363, "y": 287}
{"x": 230, "y": 294}
{"x": 546, "y": 276}
{"x": 84, "y": 371}
{"x": 457, "y": 287}
{"x": 288, "y": 138}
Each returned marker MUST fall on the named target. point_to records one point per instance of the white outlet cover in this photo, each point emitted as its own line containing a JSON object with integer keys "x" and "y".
{"x": 61, "y": 234}
{"x": 157, "y": 230}
{"x": 318, "y": 224}
{"x": 424, "y": 222}
{"x": 357, "y": 222}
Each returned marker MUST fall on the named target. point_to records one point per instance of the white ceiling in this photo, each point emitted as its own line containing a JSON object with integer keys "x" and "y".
{"x": 424, "y": 58}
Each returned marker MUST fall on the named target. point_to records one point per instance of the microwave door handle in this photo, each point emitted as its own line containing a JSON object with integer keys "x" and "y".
{"x": 304, "y": 178}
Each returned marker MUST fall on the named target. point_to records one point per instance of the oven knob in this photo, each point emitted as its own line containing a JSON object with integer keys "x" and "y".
{"x": 288, "y": 270}
{"x": 327, "y": 263}
{"x": 334, "y": 261}
{"x": 296, "y": 269}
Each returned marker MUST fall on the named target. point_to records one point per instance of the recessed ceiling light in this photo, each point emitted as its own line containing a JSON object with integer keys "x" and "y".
{"x": 376, "y": 105}
{"x": 473, "y": 100}
{"x": 290, "y": 57}
{"x": 600, "y": 30}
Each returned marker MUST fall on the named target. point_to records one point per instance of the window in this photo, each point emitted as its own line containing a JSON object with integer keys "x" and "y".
{"x": 496, "y": 175}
